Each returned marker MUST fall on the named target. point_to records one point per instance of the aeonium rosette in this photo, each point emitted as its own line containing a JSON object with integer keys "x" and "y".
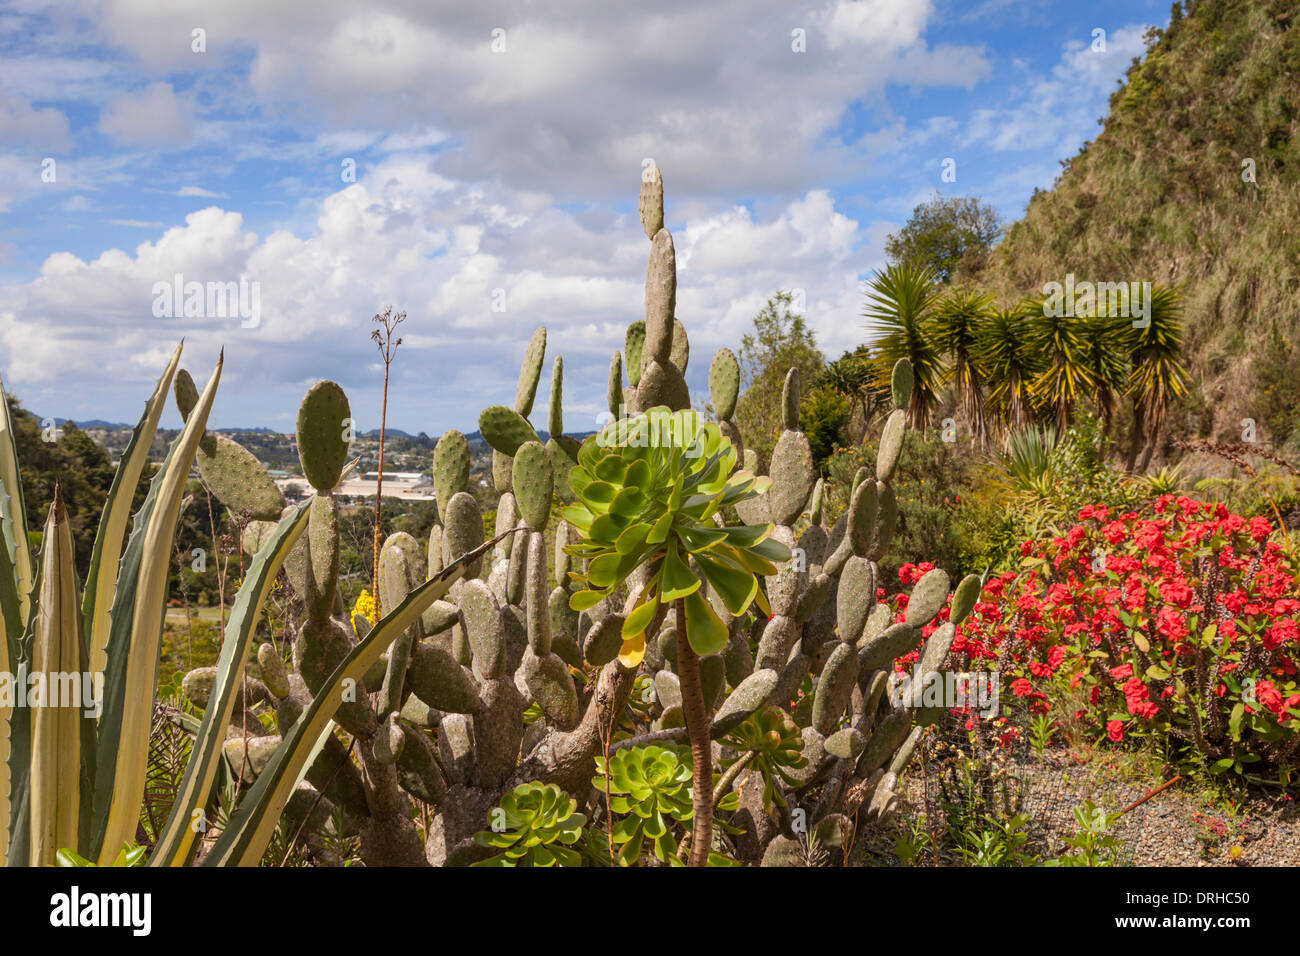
{"x": 650, "y": 490}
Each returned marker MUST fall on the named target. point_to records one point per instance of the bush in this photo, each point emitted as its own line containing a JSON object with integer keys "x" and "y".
{"x": 930, "y": 482}
{"x": 1179, "y": 628}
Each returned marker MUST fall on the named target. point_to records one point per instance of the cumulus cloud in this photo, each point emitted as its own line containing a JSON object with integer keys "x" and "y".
{"x": 20, "y": 123}
{"x": 153, "y": 116}
{"x": 1051, "y": 108}
{"x": 572, "y": 96}
{"x": 405, "y": 236}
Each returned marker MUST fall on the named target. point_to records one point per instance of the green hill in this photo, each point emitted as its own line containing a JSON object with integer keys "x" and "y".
{"x": 1165, "y": 193}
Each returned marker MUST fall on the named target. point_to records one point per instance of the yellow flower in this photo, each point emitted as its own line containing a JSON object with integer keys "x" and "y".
{"x": 365, "y": 606}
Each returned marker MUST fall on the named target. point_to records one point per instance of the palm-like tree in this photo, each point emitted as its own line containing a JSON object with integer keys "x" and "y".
{"x": 955, "y": 328}
{"x": 1009, "y": 363}
{"x": 1158, "y": 375}
{"x": 899, "y": 302}
{"x": 1066, "y": 375}
{"x": 1103, "y": 341}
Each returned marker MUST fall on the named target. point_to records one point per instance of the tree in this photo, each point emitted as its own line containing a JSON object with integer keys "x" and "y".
{"x": 781, "y": 340}
{"x": 852, "y": 376}
{"x": 899, "y": 302}
{"x": 1102, "y": 339}
{"x": 957, "y": 323}
{"x": 822, "y": 417}
{"x": 1066, "y": 376}
{"x": 1010, "y": 364}
{"x": 1157, "y": 376}
{"x": 82, "y": 469}
{"x": 945, "y": 234}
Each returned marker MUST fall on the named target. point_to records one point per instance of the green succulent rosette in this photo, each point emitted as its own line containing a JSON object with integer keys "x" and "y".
{"x": 651, "y": 490}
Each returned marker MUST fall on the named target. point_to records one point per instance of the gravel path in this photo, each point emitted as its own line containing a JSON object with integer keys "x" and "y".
{"x": 1180, "y": 826}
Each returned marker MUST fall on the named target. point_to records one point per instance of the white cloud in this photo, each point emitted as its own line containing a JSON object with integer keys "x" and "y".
{"x": 45, "y": 128}
{"x": 153, "y": 116}
{"x": 200, "y": 192}
{"x": 876, "y": 23}
{"x": 1055, "y": 108}
{"x": 582, "y": 91}
{"x": 405, "y": 237}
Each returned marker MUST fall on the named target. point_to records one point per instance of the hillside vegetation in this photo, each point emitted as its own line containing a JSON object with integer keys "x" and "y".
{"x": 1194, "y": 182}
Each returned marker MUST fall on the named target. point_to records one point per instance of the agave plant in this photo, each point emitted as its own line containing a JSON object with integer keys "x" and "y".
{"x": 76, "y": 774}
{"x": 650, "y": 492}
{"x": 1026, "y": 464}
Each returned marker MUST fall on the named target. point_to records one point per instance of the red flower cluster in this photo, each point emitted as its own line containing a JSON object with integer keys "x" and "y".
{"x": 1182, "y": 623}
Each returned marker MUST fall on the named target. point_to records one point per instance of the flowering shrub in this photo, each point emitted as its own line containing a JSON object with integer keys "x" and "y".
{"x": 1181, "y": 626}
{"x": 365, "y": 607}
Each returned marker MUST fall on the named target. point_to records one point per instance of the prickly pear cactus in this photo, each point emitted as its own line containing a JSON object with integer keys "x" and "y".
{"x": 504, "y": 684}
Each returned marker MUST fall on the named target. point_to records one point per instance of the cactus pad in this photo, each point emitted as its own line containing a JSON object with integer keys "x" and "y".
{"x": 928, "y": 597}
{"x": 724, "y": 383}
{"x": 555, "y": 410}
{"x": 900, "y": 383}
{"x": 239, "y": 481}
{"x": 660, "y": 297}
{"x": 793, "y": 476}
{"x": 464, "y": 529}
{"x": 680, "y": 354}
{"x": 505, "y": 429}
{"x": 530, "y": 373}
{"x": 790, "y": 400}
{"x": 891, "y": 445}
{"x": 652, "y": 201}
{"x": 323, "y": 419}
{"x": 450, "y": 468}
{"x": 633, "y": 349}
{"x": 533, "y": 484}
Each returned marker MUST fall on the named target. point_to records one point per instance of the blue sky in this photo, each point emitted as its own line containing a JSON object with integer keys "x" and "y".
{"x": 486, "y": 175}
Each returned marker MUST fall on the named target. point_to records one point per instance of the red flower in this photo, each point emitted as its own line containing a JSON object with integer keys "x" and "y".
{"x": 1115, "y": 731}
{"x": 1269, "y": 696}
{"x": 1176, "y": 592}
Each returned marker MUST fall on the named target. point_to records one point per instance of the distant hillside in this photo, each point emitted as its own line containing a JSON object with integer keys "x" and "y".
{"x": 1163, "y": 194}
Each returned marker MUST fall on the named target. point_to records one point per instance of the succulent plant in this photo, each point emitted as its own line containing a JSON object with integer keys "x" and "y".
{"x": 648, "y": 489}
{"x": 650, "y": 789}
{"x": 76, "y": 779}
{"x": 773, "y": 743}
{"x": 686, "y": 599}
{"x": 537, "y": 825}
